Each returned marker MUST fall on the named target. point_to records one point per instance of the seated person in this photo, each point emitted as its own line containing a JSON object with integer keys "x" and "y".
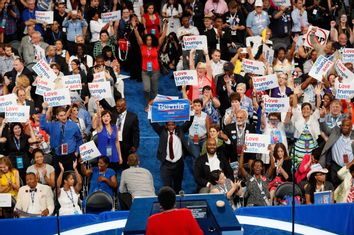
{"x": 44, "y": 172}
{"x": 345, "y": 191}
{"x": 102, "y": 178}
{"x": 221, "y": 184}
{"x": 171, "y": 220}
{"x": 135, "y": 181}
{"x": 34, "y": 198}
{"x": 317, "y": 183}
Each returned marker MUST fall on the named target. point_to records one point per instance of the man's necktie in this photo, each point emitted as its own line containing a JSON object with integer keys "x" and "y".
{"x": 170, "y": 146}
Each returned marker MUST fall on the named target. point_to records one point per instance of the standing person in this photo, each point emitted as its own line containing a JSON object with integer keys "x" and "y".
{"x": 44, "y": 172}
{"x": 257, "y": 20}
{"x": 108, "y": 140}
{"x": 65, "y": 136}
{"x": 198, "y": 129}
{"x": 150, "y": 47}
{"x": 171, "y": 221}
{"x": 299, "y": 17}
{"x": 128, "y": 130}
{"x": 171, "y": 12}
{"x": 135, "y": 181}
{"x": 151, "y": 20}
{"x": 170, "y": 152}
{"x": 68, "y": 195}
{"x": 35, "y": 198}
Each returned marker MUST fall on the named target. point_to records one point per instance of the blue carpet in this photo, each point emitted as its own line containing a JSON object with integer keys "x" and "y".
{"x": 148, "y": 138}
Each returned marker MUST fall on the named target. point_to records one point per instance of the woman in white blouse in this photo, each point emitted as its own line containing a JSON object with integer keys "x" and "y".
{"x": 172, "y": 11}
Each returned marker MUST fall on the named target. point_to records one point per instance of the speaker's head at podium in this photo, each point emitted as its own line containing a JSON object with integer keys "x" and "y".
{"x": 171, "y": 220}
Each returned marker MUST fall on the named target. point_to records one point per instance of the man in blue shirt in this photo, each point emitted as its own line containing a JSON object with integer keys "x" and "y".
{"x": 65, "y": 137}
{"x": 29, "y": 16}
{"x": 257, "y": 20}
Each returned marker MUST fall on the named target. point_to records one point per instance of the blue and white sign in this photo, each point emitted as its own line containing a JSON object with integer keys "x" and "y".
{"x": 320, "y": 68}
{"x": 264, "y": 83}
{"x": 276, "y": 105}
{"x": 170, "y": 110}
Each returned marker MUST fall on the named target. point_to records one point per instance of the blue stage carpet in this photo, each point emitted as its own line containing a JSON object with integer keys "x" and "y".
{"x": 148, "y": 138}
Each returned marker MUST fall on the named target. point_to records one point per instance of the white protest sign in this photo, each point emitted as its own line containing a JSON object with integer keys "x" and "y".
{"x": 343, "y": 72}
{"x": 186, "y": 77}
{"x": 5, "y": 199}
{"x": 321, "y": 35}
{"x": 320, "y": 68}
{"x": 348, "y": 55}
{"x": 59, "y": 97}
{"x": 100, "y": 90}
{"x": 253, "y": 67}
{"x": 344, "y": 90}
{"x": 110, "y": 16}
{"x": 89, "y": 151}
{"x": 195, "y": 42}
{"x": 276, "y": 105}
{"x": 279, "y": 3}
{"x": 99, "y": 77}
{"x": 45, "y": 17}
{"x": 7, "y": 100}
{"x": 256, "y": 143}
{"x": 17, "y": 113}
{"x": 43, "y": 85}
{"x": 268, "y": 54}
{"x": 43, "y": 69}
{"x": 265, "y": 82}
{"x": 253, "y": 41}
{"x": 73, "y": 82}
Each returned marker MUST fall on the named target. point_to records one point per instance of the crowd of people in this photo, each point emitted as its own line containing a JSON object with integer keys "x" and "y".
{"x": 312, "y": 144}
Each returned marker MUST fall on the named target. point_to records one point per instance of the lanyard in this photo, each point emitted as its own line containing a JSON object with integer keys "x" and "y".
{"x": 18, "y": 144}
{"x": 71, "y": 197}
{"x": 260, "y": 185}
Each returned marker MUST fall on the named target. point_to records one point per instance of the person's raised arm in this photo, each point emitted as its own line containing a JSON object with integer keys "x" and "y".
{"x": 242, "y": 168}
{"x": 78, "y": 184}
{"x": 208, "y": 64}
{"x": 271, "y": 168}
{"x": 85, "y": 171}
{"x": 163, "y": 35}
{"x": 137, "y": 34}
{"x": 191, "y": 59}
{"x": 60, "y": 178}
{"x": 98, "y": 119}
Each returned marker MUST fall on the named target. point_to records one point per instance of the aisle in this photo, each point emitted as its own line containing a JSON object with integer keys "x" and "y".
{"x": 148, "y": 138}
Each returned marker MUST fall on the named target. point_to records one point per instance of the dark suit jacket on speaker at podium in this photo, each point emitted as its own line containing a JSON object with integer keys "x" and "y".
{"x": 171, "y": 170}
{"x": 173, "y": 222}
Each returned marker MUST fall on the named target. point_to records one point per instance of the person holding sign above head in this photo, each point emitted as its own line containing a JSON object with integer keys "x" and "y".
{"x": 205, "y": 77}
{"x": 108, "y": 141}
{"x": 68, "y": 195}
{"x": 65, "y": 137}
{"x": 170, "y": 152}
{"x": 257, "y": 192}
{"x": 150, "y": 47}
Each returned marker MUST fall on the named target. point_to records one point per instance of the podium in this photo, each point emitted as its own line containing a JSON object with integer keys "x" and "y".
{"x": 212, "y": 220}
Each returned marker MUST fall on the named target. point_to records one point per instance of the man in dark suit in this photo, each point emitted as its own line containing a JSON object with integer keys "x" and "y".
{"x": 170, "y": 152}
{"x": 236, "y": 133}
{"x": 19, "y": 69}
{"x": 128, "y": 130}
{"x": 208, "y": 162}
{"x": 21, "y": 100}
{"x": 52, "y": 57}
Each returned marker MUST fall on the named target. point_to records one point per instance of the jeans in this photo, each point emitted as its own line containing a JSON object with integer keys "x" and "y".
{"x": 151, "y": 84}
{"x": 195, "y": 149}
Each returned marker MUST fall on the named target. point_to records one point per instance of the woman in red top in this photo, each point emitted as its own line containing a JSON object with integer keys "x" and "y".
{"x": 150, "y": 61}
{"x": 151, "y": 20}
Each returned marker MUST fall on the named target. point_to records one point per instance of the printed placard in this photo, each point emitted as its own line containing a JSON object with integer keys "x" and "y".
{"x": 170, "y": 110}
{"x": 256, "y": 143}
{"x": 161, "y": 98}
{"x": 279, "y": 3}
{"x": 343, "y": 72}
{"x": 344, "y": 90}
{"x": 43, "y": 69}
{"x": 253, "y": 67}
{"x": 7, "y": 100}
{"x": 73, "y": 82}
{"x": 99, "y": 77}
{"x": 59, "y": 97}
{"x": 5, "y": 199}
{"x": 186, "y": 77}
{"x": 276, "y": 105}
{"x": 265, "y": 82}
{"x": 89, "y": 151}
{"x": 195, "y": 42}
{"x": 45, "y": 17}
{"x": 100, "y": 90}
{"x": 43, "y": 85}
{"x": 268, "y": 54}
{"x": 253, "y": 41}
{"x": 110, "y": 16}
{"x": 320, "y": 68}
{"x": 324, "y": 197}
{"x": 17, "y": 113}
{"x": 321, "y": 35}
{"x": 348, "y": 55}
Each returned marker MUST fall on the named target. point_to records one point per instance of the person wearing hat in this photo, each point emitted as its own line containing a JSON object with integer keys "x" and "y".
{"x": 242, "y": 53}
{"x": 257, "y": 20}
{"x": 317, "y": 183}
